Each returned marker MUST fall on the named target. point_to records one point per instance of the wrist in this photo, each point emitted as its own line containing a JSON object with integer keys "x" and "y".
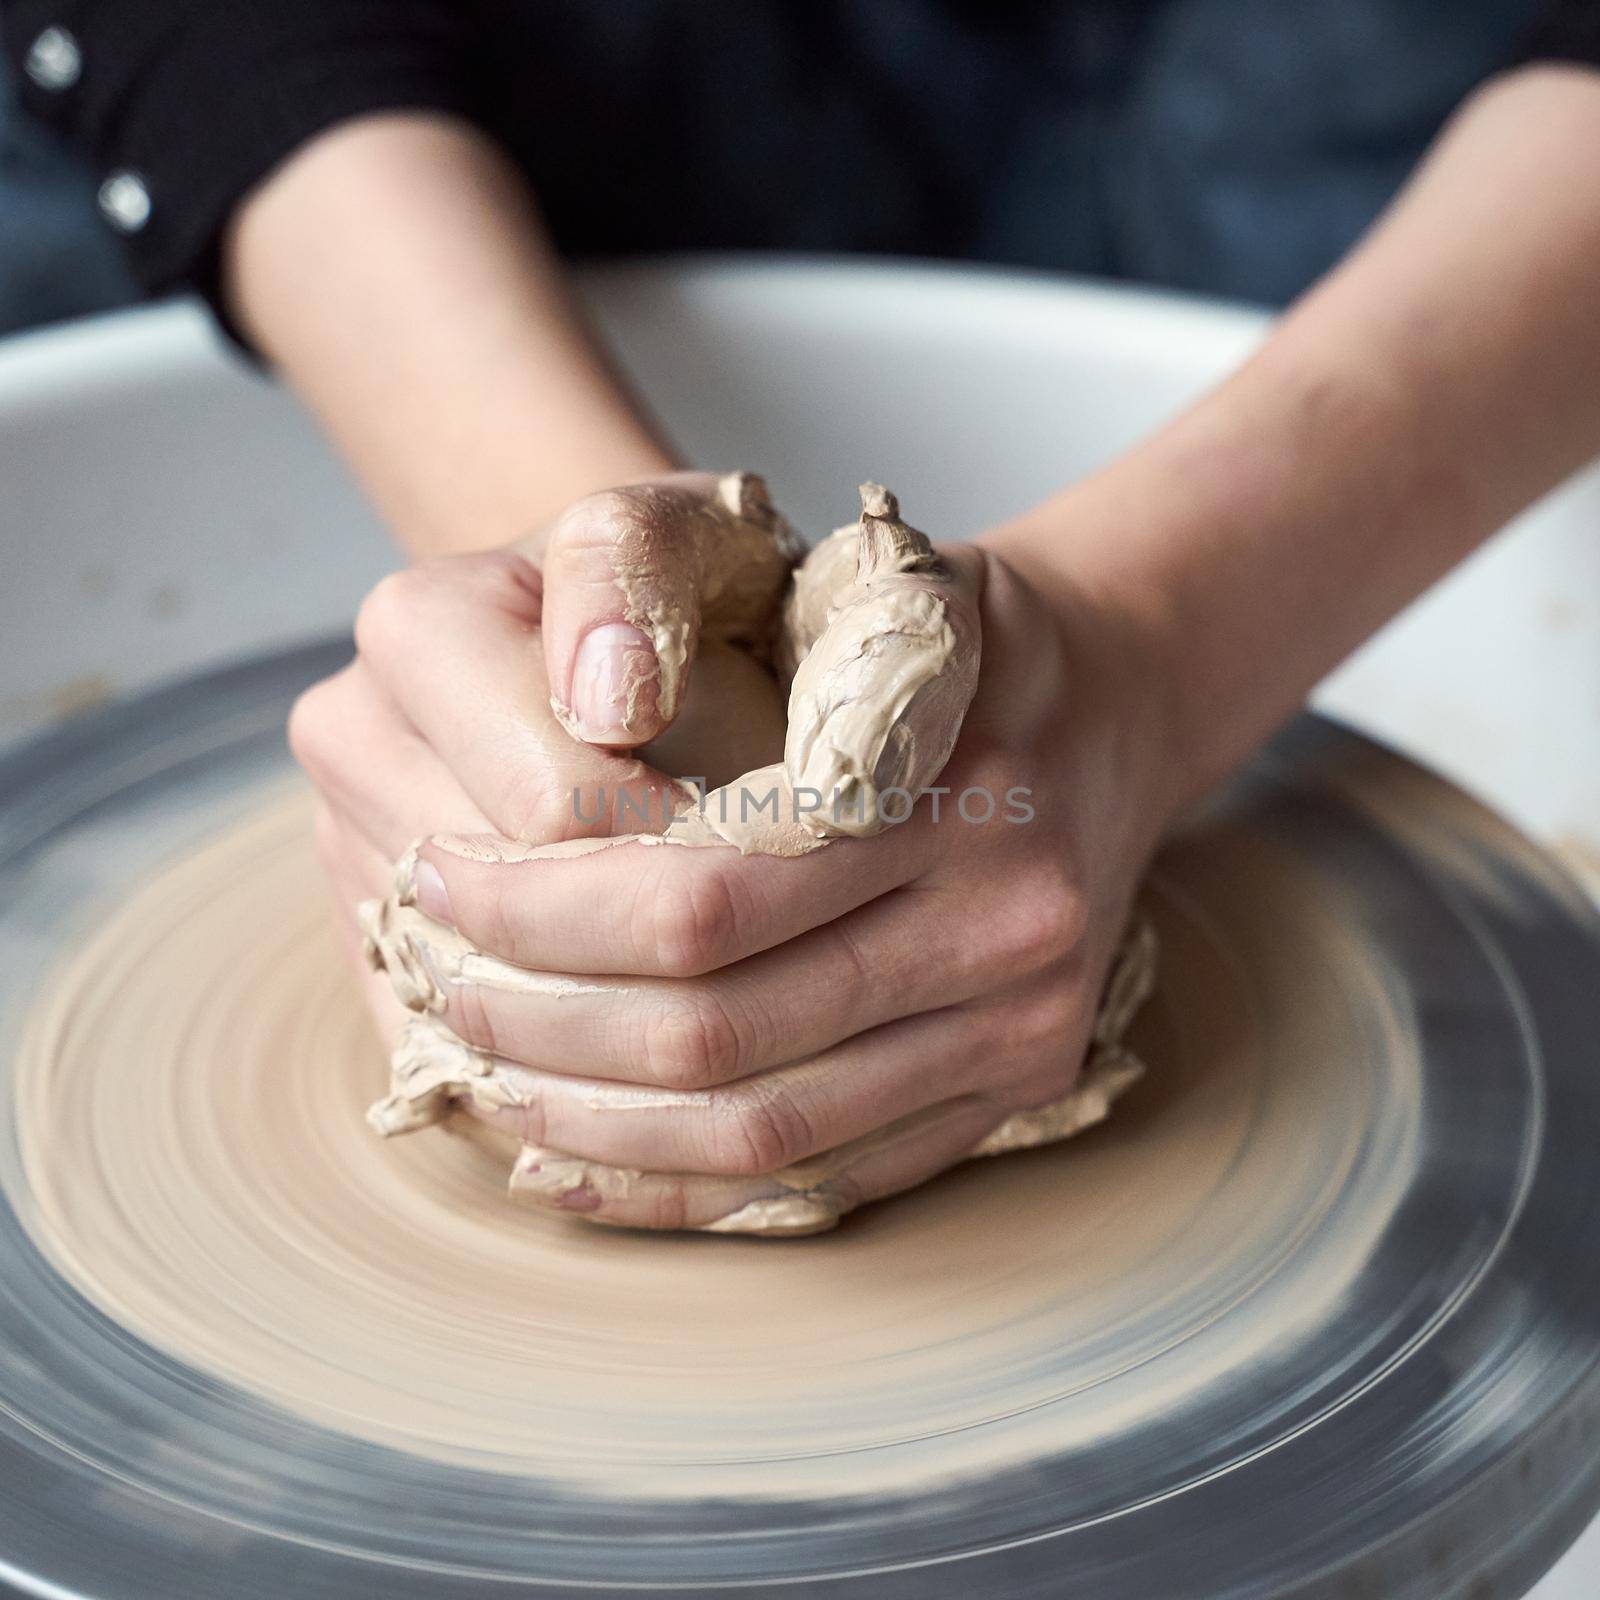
{"x": 1249, "y": 545}
{"x": 1115, "y": 702}
{"x": 397, "y": 272}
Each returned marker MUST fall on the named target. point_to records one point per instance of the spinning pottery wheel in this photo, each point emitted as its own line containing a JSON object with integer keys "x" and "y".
{"x": 1314, "y": 1314}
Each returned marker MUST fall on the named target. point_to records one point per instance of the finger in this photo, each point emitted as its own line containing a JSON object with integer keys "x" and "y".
{"x": 801, "y": 1200}
{"x": 907, "y": 952}
{"x": 797, "y": 1145}
{"x": 650, "y": 906}
{"x": 753, "y": 1126}
{"x": 631, "y": 577}
{"x": 457, "y": 647}
{"x": 370, "y": 763}
{"x": 887, "y": 665}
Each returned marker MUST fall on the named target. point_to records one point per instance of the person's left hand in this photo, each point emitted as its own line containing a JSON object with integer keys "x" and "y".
{"x": 716, "y": 1017}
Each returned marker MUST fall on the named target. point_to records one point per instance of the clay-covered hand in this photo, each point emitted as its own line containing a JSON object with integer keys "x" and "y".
{"x": 445, "y": 721}
{"x": 741, "y": 1038}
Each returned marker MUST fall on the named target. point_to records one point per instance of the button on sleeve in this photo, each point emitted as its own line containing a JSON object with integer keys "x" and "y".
{"x": 185, "y": 105}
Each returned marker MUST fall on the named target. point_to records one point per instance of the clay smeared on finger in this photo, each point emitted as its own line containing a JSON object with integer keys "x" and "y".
{"x": 691, "y": 567}
{"x": 880, "y": 688}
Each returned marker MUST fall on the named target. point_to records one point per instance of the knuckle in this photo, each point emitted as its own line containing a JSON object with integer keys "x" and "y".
{"x": 756, "y": 1133}
{"x": 857, "y": 973}
{"x": 474, "y": 1020}
{"x": 313, "y": 729}
{"x": 385, "y": 618}
{"x": 694, "y": 920}
{"x": 595, "y": 521}
{"x": 492, "y": 916}
{"x": 1046, "y": 1022}
{"x": 434, "y": 595}
{"x": 1048, "y": 1080}
{"x": 693, "y": 1045}
{"x": 1050, "y": 917}
{"x": 535, "y": 1115}
{"x": 587, "y": 538}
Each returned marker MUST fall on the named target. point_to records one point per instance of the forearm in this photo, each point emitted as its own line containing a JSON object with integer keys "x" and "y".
{"x": 395, "y": 270}
{"x": 1447, "y": 374}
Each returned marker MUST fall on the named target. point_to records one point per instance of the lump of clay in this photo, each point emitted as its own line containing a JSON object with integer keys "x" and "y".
{"x": 878, "y": 644}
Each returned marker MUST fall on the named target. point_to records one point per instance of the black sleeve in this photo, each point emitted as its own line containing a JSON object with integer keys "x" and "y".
{"x": 184, "y": 105}
{"x": 1565, "y": 30}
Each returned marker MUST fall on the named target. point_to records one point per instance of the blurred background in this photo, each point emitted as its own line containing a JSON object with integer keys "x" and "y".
{"x": 1231, "y": 147}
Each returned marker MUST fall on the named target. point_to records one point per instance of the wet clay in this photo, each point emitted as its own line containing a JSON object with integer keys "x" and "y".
{"x": 874, "y": 640}
{"x": 190, "y": 1099}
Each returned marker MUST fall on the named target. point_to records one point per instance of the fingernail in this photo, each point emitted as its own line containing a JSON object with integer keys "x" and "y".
{"x": 430, "y": 895}
{"x": 615, "y": 666}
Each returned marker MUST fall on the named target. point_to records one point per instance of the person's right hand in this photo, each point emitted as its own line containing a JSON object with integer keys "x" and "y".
{"x": 443, "y": 722}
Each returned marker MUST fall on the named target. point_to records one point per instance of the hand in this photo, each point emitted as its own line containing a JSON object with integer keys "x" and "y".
{"x": 667, "y": 1028}
{"x": 443, "y": 723}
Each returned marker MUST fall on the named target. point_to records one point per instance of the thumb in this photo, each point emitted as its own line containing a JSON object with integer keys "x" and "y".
{"x": 632, "y": 579}
{"x": 884, "y": 631}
